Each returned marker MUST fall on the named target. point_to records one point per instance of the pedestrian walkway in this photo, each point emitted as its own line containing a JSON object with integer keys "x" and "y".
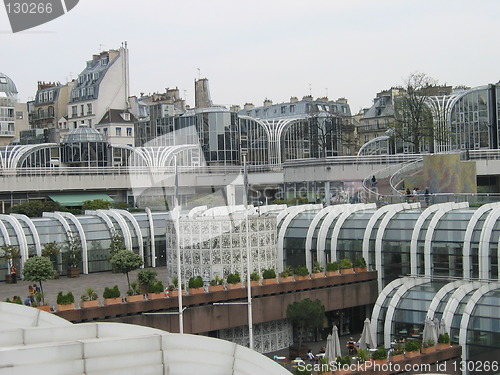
{"x": 78, "y": 285}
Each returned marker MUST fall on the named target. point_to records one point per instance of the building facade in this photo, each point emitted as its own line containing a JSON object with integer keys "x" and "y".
{"x": 8, "y": 101}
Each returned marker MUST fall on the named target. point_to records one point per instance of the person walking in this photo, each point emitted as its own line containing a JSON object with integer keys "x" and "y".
{"x": 374, "y": 183}
{"x": 427, "y": 196}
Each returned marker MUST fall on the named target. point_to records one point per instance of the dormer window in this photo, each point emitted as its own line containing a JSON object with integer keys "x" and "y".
{"x": 126, "y": 116}
{"x": 105, "y": 60}
{"x": 3, "y": 80}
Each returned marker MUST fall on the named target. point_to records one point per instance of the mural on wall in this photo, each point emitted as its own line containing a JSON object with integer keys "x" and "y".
{"x": 445, "y": 173}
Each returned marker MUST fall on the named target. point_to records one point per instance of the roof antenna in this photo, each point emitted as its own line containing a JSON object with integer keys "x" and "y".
{"x": 199, "y": 73}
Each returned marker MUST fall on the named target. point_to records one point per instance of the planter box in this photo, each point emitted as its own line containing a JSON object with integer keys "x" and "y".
{"x": 193, "y": 291}
{"x": 234, "y": 286}
{"x": 269, "y": 281}
{"x": 332, "y": 273}
{"x": 71, "y": 306}
{"x": 215, "y": 288}
{"x": 44, "y": 308}
{"x": 397, "y": 357}
{"x": 156, "y": 295}
{"x": 87, "y": 304}
{"x": 299, "y": 278}
{"x": 136, "y": 298}
{"x": 443, "y": 346}
{"x": 346, "y": 271}
{"x": 430, "y": 349}
{"x": 112, "y": 301}
{"x": 175, "y": 293}
{"x": 379, "y": 362}
{"x": 286, "y": 279}
{"x": 317, "y": 275}
{"x": 254, "y": 282}
{"x": 360, "y": 269}
{"x": 412, "y": 354}
{"x": 73, "y": 272}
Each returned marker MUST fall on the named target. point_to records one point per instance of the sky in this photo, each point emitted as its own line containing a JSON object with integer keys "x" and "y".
{"x": 256, "y": 50}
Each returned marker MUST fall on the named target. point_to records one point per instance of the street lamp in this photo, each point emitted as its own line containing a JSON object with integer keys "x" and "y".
{"x": 249, "y": 288}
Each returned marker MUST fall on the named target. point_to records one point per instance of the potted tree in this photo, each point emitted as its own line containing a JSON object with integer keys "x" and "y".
{"x": 195, "y": 285}
{"x": 332, "y": 269}
{"x": 301, "y": 273}
{"x": 317, "y": 271}
{"x": 233, "y": 281}
{"x": 111, "y": 296}
{"x": 10, "y": 254}
{"x": 443, "y": 341}
{"x": 304, "y": 315}
{"x": 65, "y": 301}
{"x": 52, "y": 250}
{"x": 216, "y": 284}
{"x": 412, "y": 348}
{"x": 134, "y": 293}
{"x": 254, "y": 279}
{"x": 145, "y": 278}
{"x": 38, "y": 269}
{"x": 428, "y": 346}
{"x": 156, "y": 290}
{"x": 345, "y": 266}
{"x": 89, "y": 299}
{"x": 398, "y": 352}
{"x": 125, "y": 261}
{"x": 73, "y": 256}
{"x": 269, "y": 276}
{"x": 287, "y": 275}
{"x": 360, "y": 265}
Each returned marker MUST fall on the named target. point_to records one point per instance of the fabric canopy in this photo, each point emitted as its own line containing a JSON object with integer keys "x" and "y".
{"x": 77, "y": 199}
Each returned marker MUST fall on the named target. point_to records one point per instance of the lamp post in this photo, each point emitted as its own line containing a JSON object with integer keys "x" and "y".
{"x": 249, "y": 288}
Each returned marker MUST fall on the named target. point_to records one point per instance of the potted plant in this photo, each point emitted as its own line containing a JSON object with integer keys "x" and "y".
{"x": 443, "y": 341}
{"x": 156, "y": 290}
{"x": 254, "y": 279}
{"x": 145, "y": 278}
{"x": 38, "y": 269}
{"x": 398, "y": 352}
{"x": 342, "y": 364}
{"x": 40, "y": 302}
{"x": 301, "y": 273}
{"x": 65, "y": 301}
{"x": 269, "y": 276}
{"x": 324, "y": 366}
{"x": 15, "y": 299}
{"x": 363, "y": 355}
{"x": 332, "y": 269}
{"x": 345, "y": 266}
{"x": 412, "y": 348}
{"x": 125, "y": 261}
{"x": 52, "y": 250}
{"x": 134, "y": 293}
{"x": 111, "y": 296}
{"x": 360, "y": 265}
{"x": 173, "y": 288}
{"x": 380, "y": 356}
{"x": 317, "y": 271}
{"x": 195, "y": 285}
{"x": 233, "y": 281}
{"x": 73, "y": 256}
{"x": 216, "y": 284}
{"x": 428, "y": 346}
{"x": 89, "y": 299}
{"x": 10, "y": 254}
{"x": 287, "y": 275}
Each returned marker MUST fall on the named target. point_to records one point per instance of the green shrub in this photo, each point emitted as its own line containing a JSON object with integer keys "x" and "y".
{"x": 363, "y": 355}
{"x": 412, "y": 345}
{"x": 269, "y": 274}
{"x": 380, "y": 353}
{"x": 444, "y": 338}
{"x": 15, "y": 299}
{"x": 360, "y": 262}
{"x": 317, "y": 268}
{"x": 90, "y": 295}
{"x": 113, "y": 292}
{"x": 233, "y": 278}
{"x": 398, "y": 349}
{"x": 254, "y": 276}
{"x": 216, "y": 281}
{"x": 157, "y": 287}
{"x": 332, "y": 266}
{"x": 288, "y": 271}
{"x": 302, "y": 271}
{"x": 345, "y": 264}
{"x": 134, "y": 289}
{"x": 146, "y": 277}
{"x": 428, "y": 343}
{"x": 65, "y": 299}
{"x": 342, "y": 361}
{"x": 195, "y": 282}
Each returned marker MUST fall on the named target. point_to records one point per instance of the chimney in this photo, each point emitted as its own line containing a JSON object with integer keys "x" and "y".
{"x": 268, "y": 103}
{"x": 294, "y": 99}
{"x": 248, "y": 106}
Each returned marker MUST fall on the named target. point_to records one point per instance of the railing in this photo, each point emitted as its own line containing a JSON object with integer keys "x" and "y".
{"x": 351, "y": 160}
{"x": 474, "y": 199}
{"x": 399, "y": 176}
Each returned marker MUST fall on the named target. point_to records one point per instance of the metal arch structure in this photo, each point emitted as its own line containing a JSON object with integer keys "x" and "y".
{"x": 447, "y": 288}
{"x": 368, "y": 231}
{"x": 83, "y": 238}
{"x": 444, "y": 209}
{"x": 310, "y": 233}
{"x": 471, "y": 226}
{"x": 396, "y": 208}
{"x": 391, "y": 309}
{"x": 353, "y": 208}
{"x": 330, "y": 217}
{"x": 379, "y": 303}
{"x": 11, "y": 157}
{"x": 159, "y": 157}
{"x": 441, "y": 107}
{"x": 374, "y": 142}
{"x": 34, "y": 232}
{"x": 415, "y": 234}
{"x": 151, "y": 236}
{"x": 5, "y": 233}
{"x": 484, "y": 243}
{"x": 469, "y": 309}
{"x": 102, "y": 215}
{"x": 137, "y": 230}
{"x": 21, "y": 237}
{"x": 127, "y": 236}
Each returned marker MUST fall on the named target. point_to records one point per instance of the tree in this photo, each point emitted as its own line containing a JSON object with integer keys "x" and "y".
{"x": 9, "y": 255}
{"x": 96, "y": 204}
{"x": 413, "y": 121}
{"x": 73, "y": 253}
{"x": 306, "y": 314}
{"x": 36, "y": 208}
{"x": 116, "y": 244}
{"x": 125, "y": 261}
{"x": 38, "y": 269}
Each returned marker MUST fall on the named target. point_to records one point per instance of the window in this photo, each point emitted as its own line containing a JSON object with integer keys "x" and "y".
{"x": 51, "y": 95}
{"x": 292, "y": 108}
{"x": 126, "y": 116}
{"x": 82, "y": 113}
{"x": 105, "y": 131}
{"x": 51, "y": 111}
{"x": 283, "y": 109}
{"x": 19, "y": 115}
{"x": 45, "y": 96}
{"x": 118, "y": 132}
{"x": 3, "y": 80}
{"x": 74, "y": 110}
{"x": 129, "y": 132}
{"x": 89, "y": 109}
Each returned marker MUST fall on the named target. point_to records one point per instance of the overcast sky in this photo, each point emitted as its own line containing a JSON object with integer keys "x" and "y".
{"x": 253, "y": 50}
